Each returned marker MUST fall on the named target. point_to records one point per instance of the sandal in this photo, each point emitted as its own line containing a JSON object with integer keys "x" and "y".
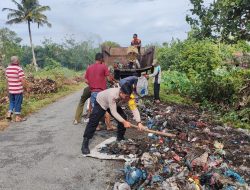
{"x": 111, "y": 128}
{"x": 9, "y": 114}
{"x": 20, "y": 119}
{"x": 98, "y": 128}
{"x": 75, "y": 122}
{"x": 157, "y": 101}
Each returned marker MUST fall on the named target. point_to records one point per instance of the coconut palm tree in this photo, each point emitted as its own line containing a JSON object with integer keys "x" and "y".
{"x": 29, "y": 11}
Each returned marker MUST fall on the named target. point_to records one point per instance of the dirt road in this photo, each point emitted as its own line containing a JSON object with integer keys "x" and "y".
{"x": 43, "y": 153}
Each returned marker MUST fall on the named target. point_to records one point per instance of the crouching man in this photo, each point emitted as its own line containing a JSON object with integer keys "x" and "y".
{"x": 110, "y": 100}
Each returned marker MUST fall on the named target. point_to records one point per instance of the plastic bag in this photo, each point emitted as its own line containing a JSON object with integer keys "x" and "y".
{"x": 134, "y": 175}
{"x": 142, "y": 86}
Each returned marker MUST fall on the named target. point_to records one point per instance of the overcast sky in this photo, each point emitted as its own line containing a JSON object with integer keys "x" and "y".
{"x": 114, "y": 20}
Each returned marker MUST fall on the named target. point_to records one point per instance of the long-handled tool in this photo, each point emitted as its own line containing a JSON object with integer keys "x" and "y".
{"x": 156, "y": 132}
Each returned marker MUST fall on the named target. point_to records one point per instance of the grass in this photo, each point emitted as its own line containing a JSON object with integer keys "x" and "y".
{"x": 169, "y": 97}
{"x": 239, "y": 119}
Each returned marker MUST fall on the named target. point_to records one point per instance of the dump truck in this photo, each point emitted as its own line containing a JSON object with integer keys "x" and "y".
{"x": 117, "y": 57}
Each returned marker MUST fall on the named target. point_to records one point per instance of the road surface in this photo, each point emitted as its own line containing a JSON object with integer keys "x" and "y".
{"x": 43, "y": 153}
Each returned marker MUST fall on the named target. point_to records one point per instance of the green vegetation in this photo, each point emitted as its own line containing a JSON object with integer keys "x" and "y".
{"x": 204, "y": 71}
{"x": 222, "y": 20}
{"x": 58, "y": 62}
{"x": 70, "y": 54}
{"x": 210, "y": 68}
{"x": 168, "y": 95}
{"x": 28, "y": 11}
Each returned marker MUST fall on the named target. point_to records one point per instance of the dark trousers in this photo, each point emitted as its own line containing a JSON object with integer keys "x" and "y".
{"x": 96, "y": 115}
{"x": 85, "y": 95}
{"x": 156, "y": 91}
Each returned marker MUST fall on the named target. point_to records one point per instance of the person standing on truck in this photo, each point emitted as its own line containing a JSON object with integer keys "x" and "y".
{"x": 132, "y": 56}
{"x": 136, "y": 42}
{"x": 111, "y": 100}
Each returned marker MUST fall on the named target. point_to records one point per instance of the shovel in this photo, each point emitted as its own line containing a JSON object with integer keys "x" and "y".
{"x": 156, "y": 132}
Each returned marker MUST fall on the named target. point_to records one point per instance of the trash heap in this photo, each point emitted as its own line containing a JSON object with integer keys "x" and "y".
{"x": 202, "y": 156}
{"x": 41, "y": 86}
{"x": 4, "y": 100}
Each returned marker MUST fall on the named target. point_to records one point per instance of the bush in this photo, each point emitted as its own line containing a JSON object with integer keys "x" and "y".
{"x": 176, "y": 82}
{"x": 200, "y": 57}
{"x": 199, "y": 70}
{"x": 169, "y": 54}
{"x": 51, "y": 64}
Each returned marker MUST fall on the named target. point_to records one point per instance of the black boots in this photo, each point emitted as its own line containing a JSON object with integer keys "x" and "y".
{"x": 120, "y": 138}
{"x": 85, "y": 146}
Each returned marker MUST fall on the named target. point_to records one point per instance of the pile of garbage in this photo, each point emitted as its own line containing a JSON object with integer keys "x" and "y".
{"x": 4, "y": 100}
{"x": 78, "y": 79}
{"x": 202, "y": 156}
{"x": 41, "y": 86}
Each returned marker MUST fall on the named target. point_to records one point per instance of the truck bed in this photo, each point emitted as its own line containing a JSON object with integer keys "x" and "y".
{"x": 119, "y": 55}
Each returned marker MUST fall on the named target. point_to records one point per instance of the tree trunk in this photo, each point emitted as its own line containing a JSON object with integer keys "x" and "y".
{"x": 32, "y": 47}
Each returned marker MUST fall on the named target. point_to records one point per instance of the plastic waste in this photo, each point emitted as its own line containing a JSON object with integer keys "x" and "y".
{"x": 134, "y": 175}
{"x": 235, "y": 176}
{"x": 182, "y": 136}
{"x": 161, "y": 140}
{"x": 214, "y": 161}
{"x": 142, "y": 86}
{"x": 146, "y": 182}
{"x": 152, "y": 136}
{"x": 195, "y": 183}
{"x": 176, "y": 162}
{"x": 166, "y": 170}
{"x": 150, "y": 123}
{"x": 166, "y": 149}
{"x": 219, "y": 148}
{"x": 177, "y": 158}
{"x": 212, "y": 180}
{"x": 218, "y": 145}
{"x": 148, "y": 161}
{"x": 165, "y": 123}
{"x": 192, "y": 125}
{"x": 229, "y": 188}
{"x": 170, "y": 184}
{"x": 168, "y": 109}
{"x": 188, "y": 164}
{"x": 200, "y": 161}
{"x": 157, "y": 178}
{"x": 201, "y": 124}
{"x": 121, "y": 186}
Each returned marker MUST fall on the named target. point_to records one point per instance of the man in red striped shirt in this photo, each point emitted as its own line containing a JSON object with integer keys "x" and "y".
{"x": 15, "y": 81}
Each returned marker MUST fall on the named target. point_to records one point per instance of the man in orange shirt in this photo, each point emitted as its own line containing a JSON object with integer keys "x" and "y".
{"x": 136, "y": 42}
